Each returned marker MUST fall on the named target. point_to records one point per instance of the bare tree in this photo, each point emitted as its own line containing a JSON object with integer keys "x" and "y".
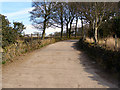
{"x": 96, "y": 13}
{"x": 67, "y": 16}
{"x": 80, "y": 9}
{"x": 41, "y": 15}
{"x": 76, "y": 12}
{"x": 72, "y": 15}
{"x": 59, "y": 16}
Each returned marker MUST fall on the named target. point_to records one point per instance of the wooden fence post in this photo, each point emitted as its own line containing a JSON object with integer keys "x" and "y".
{"x": 38, "y": 36}
{"x": 31, "y": 38}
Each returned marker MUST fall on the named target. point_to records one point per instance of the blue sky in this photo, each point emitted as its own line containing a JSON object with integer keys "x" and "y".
{"x": 19, "y": 11}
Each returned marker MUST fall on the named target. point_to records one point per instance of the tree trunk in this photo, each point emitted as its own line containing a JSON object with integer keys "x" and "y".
{"x": 82, "y": 28}
{"x": 76, "y": 26}
{"x": 43, "y": 33}
{"x": 84, "y": 37}
{"x": 61, "y": 31}
{"x": 70, "y": 27}
{"x": 67, "y": 33}
{"x": 96, "y": 26}
{"x": 96, "y": 34}
{"x": 70, "y": 30}
{"x": 61, "y": 26}
{"x": 61, "y": 18}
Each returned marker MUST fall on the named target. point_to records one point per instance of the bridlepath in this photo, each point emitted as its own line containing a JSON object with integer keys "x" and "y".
{"x": 57, "y": 65}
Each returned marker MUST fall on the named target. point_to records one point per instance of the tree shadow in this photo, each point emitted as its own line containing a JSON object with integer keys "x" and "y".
{"x": 98, "y": 74}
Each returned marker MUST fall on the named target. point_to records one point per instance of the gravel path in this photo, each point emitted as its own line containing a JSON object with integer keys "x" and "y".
{"x": 58, "y": 65}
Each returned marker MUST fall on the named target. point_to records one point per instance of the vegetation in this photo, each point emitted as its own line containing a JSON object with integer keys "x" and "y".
{"x": 9, "y": 33}
{"x": 41, "y": 15}
{"x": 106, "y": 58}
{"x": 98, "y": 20}
{"x": 63, "y": 14}
{"x": 23, "y": 47}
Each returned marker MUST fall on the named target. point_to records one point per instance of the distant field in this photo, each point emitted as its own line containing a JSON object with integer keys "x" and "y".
{"x": 36, "y": 38}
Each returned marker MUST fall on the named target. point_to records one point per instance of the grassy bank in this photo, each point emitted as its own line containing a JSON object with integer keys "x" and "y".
{"x": 21, "y": 47}
{"x": 107, "y": 59}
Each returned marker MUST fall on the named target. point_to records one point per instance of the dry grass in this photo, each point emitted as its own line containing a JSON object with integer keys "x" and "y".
{"x": 14, "y": 50}
{"x": 109, "y": 43}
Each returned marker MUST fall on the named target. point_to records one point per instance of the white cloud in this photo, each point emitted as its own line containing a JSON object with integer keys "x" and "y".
{"x": 22, "y": 12}
{"x": 30, "y": 29}
{"x": 52, "y": 30}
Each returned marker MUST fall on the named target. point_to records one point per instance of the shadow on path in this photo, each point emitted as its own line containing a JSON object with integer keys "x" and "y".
{"x": 90, "y": 66}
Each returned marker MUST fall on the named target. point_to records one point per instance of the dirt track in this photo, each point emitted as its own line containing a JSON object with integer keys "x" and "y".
{"x": 57, "y": 65}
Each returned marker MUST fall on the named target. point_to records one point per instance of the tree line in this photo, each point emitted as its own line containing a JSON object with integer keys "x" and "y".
{"x": 103, "y": 18}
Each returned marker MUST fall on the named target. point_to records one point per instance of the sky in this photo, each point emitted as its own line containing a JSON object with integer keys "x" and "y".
{"x": 19, "y": 12}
